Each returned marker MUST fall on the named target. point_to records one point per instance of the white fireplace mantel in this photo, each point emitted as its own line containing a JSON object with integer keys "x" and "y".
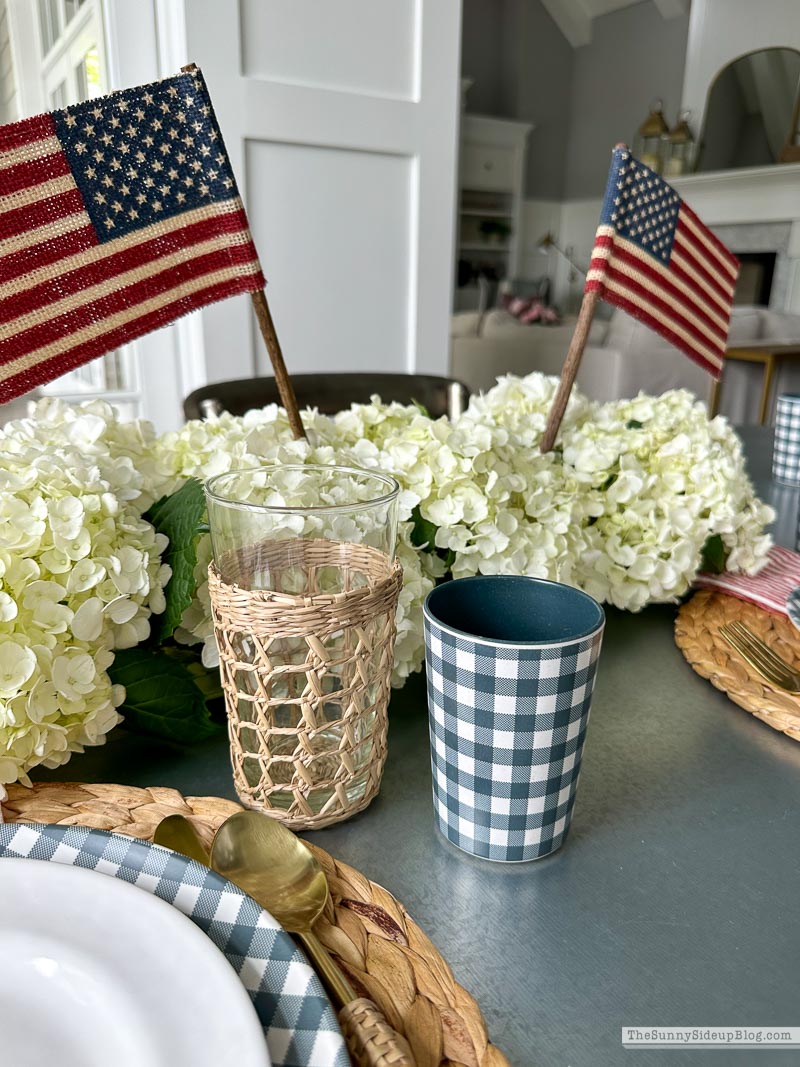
{"x": 753, "y": 196}
{"x": 749, "y": 194}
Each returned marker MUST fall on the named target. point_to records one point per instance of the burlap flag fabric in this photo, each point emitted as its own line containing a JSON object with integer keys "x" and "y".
{"x": 655, "y": 259}
{"x": 117, "y": 216}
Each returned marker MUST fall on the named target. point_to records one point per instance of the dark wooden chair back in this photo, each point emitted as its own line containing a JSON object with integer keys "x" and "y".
{"x": 330, "y": 393}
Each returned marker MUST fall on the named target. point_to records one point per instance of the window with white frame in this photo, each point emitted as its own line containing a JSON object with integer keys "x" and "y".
{"x": 58, "y": 50}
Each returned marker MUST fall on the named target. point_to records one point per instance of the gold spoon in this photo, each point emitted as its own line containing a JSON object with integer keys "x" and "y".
{"x": 280, "y": 873}
{"x": 176, "y": 832}
{"x": 273, "y": 867}
{"x": 277, "y": 870}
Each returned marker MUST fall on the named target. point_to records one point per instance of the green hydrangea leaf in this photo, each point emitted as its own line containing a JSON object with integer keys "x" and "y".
{"x": 714, "y": 556}
{"x": 424, "y": 532}
{"x": 179, "y": 517}
{"x": 206, "y": 679}
{"x": 162, "y": 698}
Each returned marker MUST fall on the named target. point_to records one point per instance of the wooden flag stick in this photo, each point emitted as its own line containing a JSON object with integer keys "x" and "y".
{"x": 284, "y": 382}
{"x": 570, "y": 369}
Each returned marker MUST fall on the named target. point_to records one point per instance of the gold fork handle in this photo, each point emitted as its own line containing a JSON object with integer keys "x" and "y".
{"x": 371, "y": 1041}
{"x": 330, "y": 974}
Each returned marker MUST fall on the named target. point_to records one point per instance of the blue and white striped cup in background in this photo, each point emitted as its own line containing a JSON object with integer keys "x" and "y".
{"x": 786, "y": 450}
{"x": 511, "y": 664}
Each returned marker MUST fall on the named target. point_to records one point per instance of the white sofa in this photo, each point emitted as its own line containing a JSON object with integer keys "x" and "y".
{"x": 623, "y": 357}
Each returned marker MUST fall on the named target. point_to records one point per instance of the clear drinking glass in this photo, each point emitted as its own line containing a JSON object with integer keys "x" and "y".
{"x": 291, "y": 530}
{"x": 295, "y": 503}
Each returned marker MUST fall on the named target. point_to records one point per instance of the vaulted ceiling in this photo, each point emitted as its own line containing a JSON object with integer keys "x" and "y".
{"x": 574, "y": 17}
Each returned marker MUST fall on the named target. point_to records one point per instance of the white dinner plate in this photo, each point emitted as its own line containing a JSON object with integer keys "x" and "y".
{"x": 793, "y": 606}
{"x": 95, "y": 972}
{"x": 297, "y": 1019}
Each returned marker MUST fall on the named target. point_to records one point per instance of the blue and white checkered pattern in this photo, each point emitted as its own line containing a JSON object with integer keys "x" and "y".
{"x": 786, "y": 452}
{"x": 299, "y": 1023}
{"x": 793, "y": 605}
{"x": 507, "y": 727}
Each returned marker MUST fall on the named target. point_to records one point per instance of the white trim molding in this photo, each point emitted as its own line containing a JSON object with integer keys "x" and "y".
{"x": 748, "y": 194}
{"x": 147, "y": 41}
{"x": 26, "y": 42}
{"x": 173, "y": 47}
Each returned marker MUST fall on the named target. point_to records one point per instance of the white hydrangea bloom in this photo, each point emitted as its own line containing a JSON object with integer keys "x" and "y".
{"x": 78, "y": 565}
{"x": 622, "y": 509}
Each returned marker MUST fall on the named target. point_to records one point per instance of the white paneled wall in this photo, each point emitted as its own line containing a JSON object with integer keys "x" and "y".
{"x": 341, "y": 122}
{"x": 360, "y": 206}
{"x": 323, "y": 45}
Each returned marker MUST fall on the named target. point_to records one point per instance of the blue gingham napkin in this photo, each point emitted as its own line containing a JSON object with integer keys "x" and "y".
{"x": 299, "y": 1023}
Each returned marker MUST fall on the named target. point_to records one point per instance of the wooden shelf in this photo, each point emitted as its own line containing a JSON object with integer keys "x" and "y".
{"x": 491, "y": 169}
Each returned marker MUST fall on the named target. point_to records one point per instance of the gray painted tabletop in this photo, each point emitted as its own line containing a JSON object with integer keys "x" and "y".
{"x": 674, "y": 899}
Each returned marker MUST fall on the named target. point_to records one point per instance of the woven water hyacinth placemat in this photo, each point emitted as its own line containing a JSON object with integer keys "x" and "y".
{"x": 697, "y": 636}
{"x": 386, "y": 955}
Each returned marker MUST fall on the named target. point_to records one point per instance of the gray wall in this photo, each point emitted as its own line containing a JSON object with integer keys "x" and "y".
{"x": 537, "y": 76}
{"x": 521, "y": 66}
{"x": 582, "y": 101}
{"x": 482, "y": 55}
{"x": 635, "y": 56}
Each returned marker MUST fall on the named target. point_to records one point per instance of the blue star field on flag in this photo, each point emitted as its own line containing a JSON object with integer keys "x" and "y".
{"x": 640, "y": 205}
{"x": 145, "y": 154}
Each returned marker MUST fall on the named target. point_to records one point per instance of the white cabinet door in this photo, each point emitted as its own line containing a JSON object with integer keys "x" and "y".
{"x": 340, "y": 118}
{"x": 487, "y": 167}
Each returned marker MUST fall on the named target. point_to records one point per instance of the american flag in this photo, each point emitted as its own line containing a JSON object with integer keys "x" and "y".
{"x": 117, "y": 215}
{"x": 655, "y": 259}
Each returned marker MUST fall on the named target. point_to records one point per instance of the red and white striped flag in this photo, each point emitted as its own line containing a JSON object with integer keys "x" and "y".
{"x": 117, "y": 216}
{"x": 655, "y": 259}
{"x": 770, "y": 588}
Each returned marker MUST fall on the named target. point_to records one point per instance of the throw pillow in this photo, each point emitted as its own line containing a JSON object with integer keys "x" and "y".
{"x": 516, "y": 305}
{"x": 530, "y": 309}
{"x": 539, "y": 312}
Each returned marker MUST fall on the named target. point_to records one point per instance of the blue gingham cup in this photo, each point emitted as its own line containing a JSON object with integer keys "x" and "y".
{"x": 511, "y": 664}
{"x": 786, "y": 450}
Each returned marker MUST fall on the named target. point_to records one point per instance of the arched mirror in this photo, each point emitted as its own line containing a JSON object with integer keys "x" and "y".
{"x": 752, "y": 112}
